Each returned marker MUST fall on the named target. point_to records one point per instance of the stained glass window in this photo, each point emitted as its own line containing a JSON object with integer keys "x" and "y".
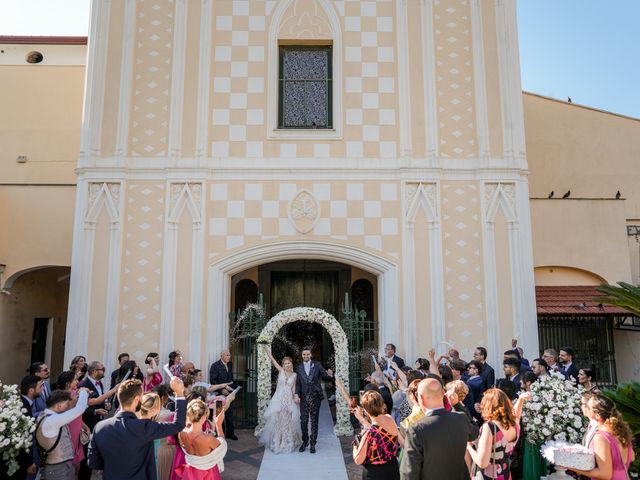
{"x": 305, "y": 87}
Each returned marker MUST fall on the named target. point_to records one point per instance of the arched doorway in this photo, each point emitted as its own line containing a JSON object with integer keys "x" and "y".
{"x": 333, "y": 328}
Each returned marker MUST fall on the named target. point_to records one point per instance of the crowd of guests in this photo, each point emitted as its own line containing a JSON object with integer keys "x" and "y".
{"x": 456, "y": 418}
{"x": 151, "y": 422}
{"x": 444, "y": 415}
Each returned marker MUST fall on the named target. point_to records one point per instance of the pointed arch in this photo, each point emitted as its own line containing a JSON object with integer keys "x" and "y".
{"x": 501, "y": 197}
{"x": 106, "y": 196}
{"x": 272, "y": 81}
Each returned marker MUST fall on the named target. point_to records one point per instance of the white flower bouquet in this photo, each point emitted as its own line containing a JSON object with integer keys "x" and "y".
{"x": 553, "y": 413}
{"x": 16, "y": 427}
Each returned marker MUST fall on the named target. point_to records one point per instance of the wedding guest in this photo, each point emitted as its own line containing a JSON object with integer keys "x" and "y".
{"x": 487, "y": 372}
{"x": 98, "y": 407}
{"x": 568, "y": 368}
{"x": 53, "y": 436}
{"x": 426, "y": 451}
{"x": 410, "y": 403}
{"x": 446, "y": 373}
{"x": 203, "y": 451}
{"x": 188, "y": 368}
{"x": 152, "y": 375}
{"x": 115, "y": 438}
{"x": 422, "y": 365}
{"x": 30, "y": 389}
{"x": 612, "y": 441}
{"x": 476, "y": 385}
{"x": 78, "y": 431}
{"x": 458, "y": 369}
{"x": 588, "y": 413}
{"x": 122, "y": 359}
{"x": 165, "y": 452}
{"x": 498, "y": 436}
{"x": 527, "y": 379}
{"x": 461, "y": 391}
{"x": 222, "y": 372}
{"x": 377, "y": 449}
{"x": 389, "y": 357}
{"x": 175, "y": 364}
{"x": 539, "y": 367}
{"x": 587, "y": 378}
{"x": 515, "y": 353}
{"x": 551, "y": 357}
{"x": 511, "y": 368}
{"x": 93, "y": 382}
{"x": 453, "y": 354}
{"x": 79, "y": 366}
{"x": 378, "y": 383}
{"x": 508, "y": 387}
{"x": 40, "y": 369}
{"x": 514, "y": 345}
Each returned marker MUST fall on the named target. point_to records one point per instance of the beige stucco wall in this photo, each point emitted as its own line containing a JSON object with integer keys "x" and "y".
{"x": 38, "y": 294}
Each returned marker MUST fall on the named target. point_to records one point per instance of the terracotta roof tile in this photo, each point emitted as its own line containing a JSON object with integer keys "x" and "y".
{"x": 572, "y": 300}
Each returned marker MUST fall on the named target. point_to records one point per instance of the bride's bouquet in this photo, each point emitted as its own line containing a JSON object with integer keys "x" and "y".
{"x": 16, "y": 427}
{"x": 553, "y": 413}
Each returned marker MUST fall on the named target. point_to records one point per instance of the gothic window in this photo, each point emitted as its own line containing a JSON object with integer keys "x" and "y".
{"x": 305, "y": 87}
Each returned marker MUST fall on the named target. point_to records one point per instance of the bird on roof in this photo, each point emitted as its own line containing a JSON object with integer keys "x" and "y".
{"x": 618, "y": 195}
{"x": 569, "y": 100}
{"x": 551, "y": 194}
{"x": 567, "y": 195}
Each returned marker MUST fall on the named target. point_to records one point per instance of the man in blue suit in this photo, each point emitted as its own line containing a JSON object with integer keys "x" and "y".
{"x": 41, "y": 370}
{"x": 308, "y": 396}
{"x": 122, "y": 446}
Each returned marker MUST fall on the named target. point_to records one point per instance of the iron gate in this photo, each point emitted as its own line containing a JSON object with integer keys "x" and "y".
{"x": 590, "y": 337}
{"x": 246, "y": 326}
{"x": 358, "y": 330}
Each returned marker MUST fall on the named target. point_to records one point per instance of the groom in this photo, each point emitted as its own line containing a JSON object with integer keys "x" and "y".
{"x": 309, "y": 395}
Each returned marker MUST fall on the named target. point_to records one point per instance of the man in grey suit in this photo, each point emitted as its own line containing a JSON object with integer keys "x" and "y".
{"x": 435, "y": 446}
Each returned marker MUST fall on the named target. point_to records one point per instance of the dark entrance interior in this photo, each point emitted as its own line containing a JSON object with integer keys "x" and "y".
{"x": 303, "y": 283}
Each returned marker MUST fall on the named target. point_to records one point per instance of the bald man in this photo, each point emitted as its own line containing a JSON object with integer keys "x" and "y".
{"x": 435, "y": 446}
{"x": 222, "y": 372}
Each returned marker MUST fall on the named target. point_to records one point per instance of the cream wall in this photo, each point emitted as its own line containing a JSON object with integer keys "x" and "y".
{"x": 180, "y": 147}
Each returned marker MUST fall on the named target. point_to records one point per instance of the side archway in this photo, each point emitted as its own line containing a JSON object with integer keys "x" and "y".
{"x": 339, "y": 338}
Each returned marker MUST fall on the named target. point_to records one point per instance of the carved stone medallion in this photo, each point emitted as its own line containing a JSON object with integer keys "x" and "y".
{"x": 304, "y": 211}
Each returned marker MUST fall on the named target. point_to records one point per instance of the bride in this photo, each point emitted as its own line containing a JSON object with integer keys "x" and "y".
{"x": 282, "y": 432}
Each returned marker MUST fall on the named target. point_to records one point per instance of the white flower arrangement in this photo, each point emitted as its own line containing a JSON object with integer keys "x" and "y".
{"x": 342, "y": 426}
{"x": 553, "y": 413}
{"x": 16, "y": 426}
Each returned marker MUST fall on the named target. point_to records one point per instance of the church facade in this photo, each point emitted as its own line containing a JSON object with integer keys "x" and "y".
{"x": 219, "y": 136}
{"x": 321, "y": 153}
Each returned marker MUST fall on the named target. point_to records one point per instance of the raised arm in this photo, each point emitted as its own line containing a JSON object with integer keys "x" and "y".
{"x": 343, "y": 391}
{"x": 400, "y": 374}
{"x": 274, "y": 362}
{"x": 103, "y": 397}
{"x": 433, "y": 367}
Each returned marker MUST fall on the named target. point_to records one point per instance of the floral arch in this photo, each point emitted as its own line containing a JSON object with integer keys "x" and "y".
{"x": 316, "y": 315}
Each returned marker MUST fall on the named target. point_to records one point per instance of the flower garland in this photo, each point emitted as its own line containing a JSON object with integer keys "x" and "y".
{"x": 553, "y": 413}
{"x": 16, "y": 427}
{"x": 342, "y": 426}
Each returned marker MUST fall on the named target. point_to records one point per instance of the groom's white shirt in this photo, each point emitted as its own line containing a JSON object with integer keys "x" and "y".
{"x": 307, "y": 367}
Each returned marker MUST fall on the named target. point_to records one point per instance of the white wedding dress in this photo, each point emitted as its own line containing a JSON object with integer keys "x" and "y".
{"x": 282, "y": 432}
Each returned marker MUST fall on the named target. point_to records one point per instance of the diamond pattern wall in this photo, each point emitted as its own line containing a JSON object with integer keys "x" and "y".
{"x": 454, "y": 78}
{"x": 152, "y": 78}
{"x": 141, "y": 269}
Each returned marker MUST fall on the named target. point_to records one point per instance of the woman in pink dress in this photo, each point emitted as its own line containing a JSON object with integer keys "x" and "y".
{"x": 611, "y": 442}
{"x": 152, "y": 375}
{"x": 175, "y": 364}
{"x": 202, "y": 450}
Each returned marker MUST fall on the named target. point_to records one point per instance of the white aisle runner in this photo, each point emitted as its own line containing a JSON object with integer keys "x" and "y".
{"x": 326, "y": 463}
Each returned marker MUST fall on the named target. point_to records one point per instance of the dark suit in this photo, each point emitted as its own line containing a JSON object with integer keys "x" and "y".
{"x": 89, "y": 417}
{"x": 122, "y": 446}
{"x": 309, "y": 390}
{"x": 114, "y": 377}
{"x": 571, "y": 372}
{"x": 488, "y": 376}
{"x": 517, "y": 380}
{"x": 435, "y": 447}
{"x": 25, "y": 457}
{"x": 219, "y": 373}
{"x": 386, "y": 395}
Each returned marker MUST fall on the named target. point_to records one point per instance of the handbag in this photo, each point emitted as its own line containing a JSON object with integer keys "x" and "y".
{"x": 84, "y": 436}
